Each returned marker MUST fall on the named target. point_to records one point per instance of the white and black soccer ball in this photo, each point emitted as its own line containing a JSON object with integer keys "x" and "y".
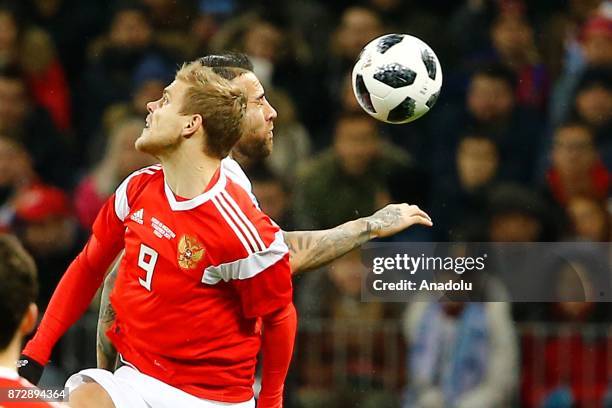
{"x": 397, "y": 78}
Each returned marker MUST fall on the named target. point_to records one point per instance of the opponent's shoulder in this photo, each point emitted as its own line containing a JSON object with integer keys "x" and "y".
{"x": 234, "y": 171}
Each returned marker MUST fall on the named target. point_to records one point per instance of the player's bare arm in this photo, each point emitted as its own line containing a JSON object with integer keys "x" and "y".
{"x": 106, "y": 354}
{"x": 313, "y": 249}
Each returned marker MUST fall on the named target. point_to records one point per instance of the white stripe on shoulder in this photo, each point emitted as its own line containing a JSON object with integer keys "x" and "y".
{"x": 232, "y": 225}
{"x": 250, "y": 266}
{"x": 244, "y": 219}
{"x": 239, "y": 220}
{"x": 122, "y": 206}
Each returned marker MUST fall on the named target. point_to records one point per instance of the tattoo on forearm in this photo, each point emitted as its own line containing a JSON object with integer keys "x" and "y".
{"x": 105, "y": 351}
{"x": 313, "y": 249}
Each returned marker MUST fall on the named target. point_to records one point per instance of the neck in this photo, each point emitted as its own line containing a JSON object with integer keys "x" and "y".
{"x": 243, "y": 160}
{"x": 9, "y": 356}
{"x": 188, "y": 171}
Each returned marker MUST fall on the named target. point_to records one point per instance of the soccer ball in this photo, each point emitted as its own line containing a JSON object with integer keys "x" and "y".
{"x": 397, "y": 78}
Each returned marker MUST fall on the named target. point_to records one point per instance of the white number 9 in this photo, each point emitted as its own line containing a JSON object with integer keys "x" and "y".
{"x": 147, "y": 264}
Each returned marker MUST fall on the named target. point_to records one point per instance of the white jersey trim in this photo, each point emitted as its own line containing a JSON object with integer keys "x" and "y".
{"x": 250, "y": 266}
{"x": 122, "y": 206}
{"x": 198, "y": 200}
{"x": 235, "y": 172}
{"x": 252, "y": 232}
{"x": 232, "y": 225}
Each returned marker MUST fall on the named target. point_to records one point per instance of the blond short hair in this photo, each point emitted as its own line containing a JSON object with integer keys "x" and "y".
{"x": 221, "y": 103}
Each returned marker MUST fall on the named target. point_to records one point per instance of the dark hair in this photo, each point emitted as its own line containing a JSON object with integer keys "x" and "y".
{"x": 18, "y": 288}
{"x": 12, "y": 73}
{"x": 229, "y": 65}
{"x": 496, "y": 71}
{"x": 595, "y": 77}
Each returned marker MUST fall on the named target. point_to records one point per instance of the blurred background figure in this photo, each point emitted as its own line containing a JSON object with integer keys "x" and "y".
{"x": 47, "y": 228}
{"x": 590, "y": 219}
{"x": 461, "y": 199}
{"x": 349, "y": 351}
{"x": 355, "y": 170}
{"x": 461, "y": 354}
{"x": 16, "y": 175}
{"x": 576, "y": 167}
{"x": 490, "y": 109}
{"x": 120, "y": 160}
{"x": 22, "y": 119}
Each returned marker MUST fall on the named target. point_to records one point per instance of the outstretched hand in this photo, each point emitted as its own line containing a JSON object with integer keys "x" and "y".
{"x": 395, "y": 218}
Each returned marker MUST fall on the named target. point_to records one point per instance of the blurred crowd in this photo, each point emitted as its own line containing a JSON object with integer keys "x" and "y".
{"x": 518, "y": 148}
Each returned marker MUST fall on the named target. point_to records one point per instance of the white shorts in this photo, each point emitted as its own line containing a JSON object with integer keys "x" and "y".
{"x": 129, "y": 388}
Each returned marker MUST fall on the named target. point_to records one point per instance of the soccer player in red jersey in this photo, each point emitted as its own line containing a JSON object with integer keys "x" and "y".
{"x": 205, "y": 279}
{"x": 18, "y": 312}
{"x": 308, "y": 249}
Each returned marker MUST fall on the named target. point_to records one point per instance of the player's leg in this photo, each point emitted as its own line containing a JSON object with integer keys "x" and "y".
{"x": 90, "y": 395}
{"x": 102, "y": 389}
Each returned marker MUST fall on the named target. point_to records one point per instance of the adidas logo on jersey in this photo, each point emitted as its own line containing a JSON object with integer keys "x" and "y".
{"x": 138, "y": 216}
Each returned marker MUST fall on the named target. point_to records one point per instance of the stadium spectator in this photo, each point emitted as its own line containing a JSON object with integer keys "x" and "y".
{"x": 113, "y": 59}
{"x": 461, "y": 354}
{"x": 596, "y": 49}
{"x": 332, "y": 294}
{"x": 560, "y": 36}
{"x": 490, "y": 109}
{"x": 16, "y": 174}
{"x": 358, "y": 26}
{"x": 31, "y": 49}
{"x": 120, "y": 160}
{"x": 22, "y": 119}
{"x": 520, "y": 214}
{"x": 572, "y": 361}
{"x": 576, "y": 166}
{"x": 47, "y": 228}
{"x": 590, "y": 219}
{"x": 354, "y": 171}
{"x": 460, "y": 200}
{"x": 593, "y": 105}
{"x": 512, "y": 36}
{"x": 148, "y": 82}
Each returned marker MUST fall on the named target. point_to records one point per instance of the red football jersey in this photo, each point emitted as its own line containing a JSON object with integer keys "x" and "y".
{"x": 10, "y": 381}
{"x": 196, "y": 276}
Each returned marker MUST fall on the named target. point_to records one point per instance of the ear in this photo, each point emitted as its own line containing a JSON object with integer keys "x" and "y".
{"x": 29, "y": 320}
{"x": 192, "y": 125}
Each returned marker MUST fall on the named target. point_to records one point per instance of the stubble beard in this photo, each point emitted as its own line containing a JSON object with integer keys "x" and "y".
{"x": 254, "y": 148}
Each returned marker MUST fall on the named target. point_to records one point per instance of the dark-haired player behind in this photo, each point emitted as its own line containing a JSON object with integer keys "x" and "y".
{"x": 18, "y": 313}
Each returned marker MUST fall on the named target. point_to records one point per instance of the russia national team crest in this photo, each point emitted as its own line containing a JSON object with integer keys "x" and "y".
{"x": 190, "y": 252}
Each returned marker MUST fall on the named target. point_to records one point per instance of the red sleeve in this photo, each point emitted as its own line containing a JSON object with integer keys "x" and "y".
{"x": 267, "y": 291}
{"x": 79, "y": 284}
{"x": 278, "y": 338}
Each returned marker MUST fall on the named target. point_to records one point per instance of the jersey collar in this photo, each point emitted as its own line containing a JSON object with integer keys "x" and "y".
{"x": 196, "y": 201}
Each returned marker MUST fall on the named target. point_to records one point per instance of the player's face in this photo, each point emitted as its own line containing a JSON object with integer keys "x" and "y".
{"x": 164, "y": 123}
{"x": 257, "y": 140}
